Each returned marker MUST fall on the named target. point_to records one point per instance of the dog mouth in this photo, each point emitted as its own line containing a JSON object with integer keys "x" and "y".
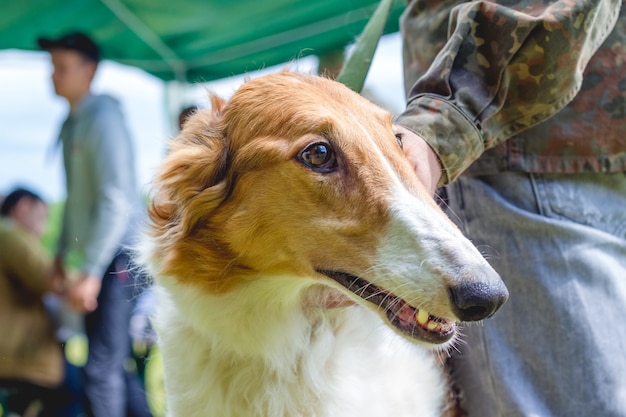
{"x": 414, "y": 323}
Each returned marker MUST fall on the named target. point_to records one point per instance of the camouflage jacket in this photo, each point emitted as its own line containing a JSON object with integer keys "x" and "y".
{"x": 478, "y": 73}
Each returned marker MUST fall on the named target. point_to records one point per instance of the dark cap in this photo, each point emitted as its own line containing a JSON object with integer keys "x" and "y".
{"x": 78, "y": 42}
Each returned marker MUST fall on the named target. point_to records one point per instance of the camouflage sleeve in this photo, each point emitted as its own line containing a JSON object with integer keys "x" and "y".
{"x": 479, "y": 72}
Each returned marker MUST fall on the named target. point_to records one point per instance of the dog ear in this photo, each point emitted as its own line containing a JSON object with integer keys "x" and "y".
{"x": 190, "y": 182}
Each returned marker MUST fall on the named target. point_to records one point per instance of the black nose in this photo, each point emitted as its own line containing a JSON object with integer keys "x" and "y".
{"x": 478, "y": 300}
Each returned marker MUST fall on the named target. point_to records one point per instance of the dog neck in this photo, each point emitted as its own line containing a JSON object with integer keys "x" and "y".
{"x": 246, "y": 356}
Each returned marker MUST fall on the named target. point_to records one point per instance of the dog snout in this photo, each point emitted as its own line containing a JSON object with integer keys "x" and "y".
{"x": 478, "y": 300}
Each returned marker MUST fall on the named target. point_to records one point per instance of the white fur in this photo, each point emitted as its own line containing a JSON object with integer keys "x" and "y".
{"x": 276, "y": 359}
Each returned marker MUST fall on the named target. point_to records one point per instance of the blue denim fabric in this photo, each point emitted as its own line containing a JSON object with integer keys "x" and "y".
{"x": 112, "y": 390}
{"x": 557, "y": 348}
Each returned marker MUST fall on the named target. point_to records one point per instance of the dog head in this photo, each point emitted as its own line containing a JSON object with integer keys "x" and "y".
{"x": 297, "y": 176}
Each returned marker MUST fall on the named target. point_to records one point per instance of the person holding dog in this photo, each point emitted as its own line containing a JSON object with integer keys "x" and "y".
{"x": 543, "y": 199}
{"x": 101, "y": 213}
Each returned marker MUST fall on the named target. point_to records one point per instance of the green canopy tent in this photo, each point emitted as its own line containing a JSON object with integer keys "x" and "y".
{"x": 195, "y": 40}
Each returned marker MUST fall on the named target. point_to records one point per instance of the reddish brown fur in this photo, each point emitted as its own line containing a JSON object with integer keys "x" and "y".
{"x": 241, "y": 155}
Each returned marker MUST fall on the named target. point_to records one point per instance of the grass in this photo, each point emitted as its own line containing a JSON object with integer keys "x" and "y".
{"x": 53, "y": 230}
{"x": 53, "y": 226}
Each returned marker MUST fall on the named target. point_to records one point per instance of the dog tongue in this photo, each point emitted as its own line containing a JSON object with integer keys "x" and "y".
{"x": 406, "y": 314}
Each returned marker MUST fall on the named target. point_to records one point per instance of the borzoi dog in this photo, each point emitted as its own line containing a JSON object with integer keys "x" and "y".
{"x": 302, "y": 268}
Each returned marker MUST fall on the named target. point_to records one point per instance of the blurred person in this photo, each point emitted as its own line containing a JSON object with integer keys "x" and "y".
{"x": 102, "y": 210}
{"x": 547, "y": 203}
{"x": 32, "y": 366}
{"x": 184, "y": 114}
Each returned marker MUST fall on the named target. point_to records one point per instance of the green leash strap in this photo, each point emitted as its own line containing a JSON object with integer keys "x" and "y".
{"x": 358, "y": 64}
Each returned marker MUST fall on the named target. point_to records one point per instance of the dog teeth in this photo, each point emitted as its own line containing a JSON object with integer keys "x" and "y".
{"x": 434, "y": 326}
{"x": 422, "y": 316}
{"x": 423, "y": 319}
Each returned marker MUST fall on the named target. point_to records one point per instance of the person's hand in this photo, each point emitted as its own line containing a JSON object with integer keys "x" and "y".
{"x": 58, "y": 277}
{"x": 82, "y": 295}
{"x": 422, "y": 157}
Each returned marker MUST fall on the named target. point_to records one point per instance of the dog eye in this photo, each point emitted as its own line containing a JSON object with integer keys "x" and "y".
{"x": 318, "y": 156}
{"x": 399, "y": 140}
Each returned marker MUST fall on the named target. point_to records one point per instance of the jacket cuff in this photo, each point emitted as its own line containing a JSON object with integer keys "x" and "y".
{"x": 456, "y": 140}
